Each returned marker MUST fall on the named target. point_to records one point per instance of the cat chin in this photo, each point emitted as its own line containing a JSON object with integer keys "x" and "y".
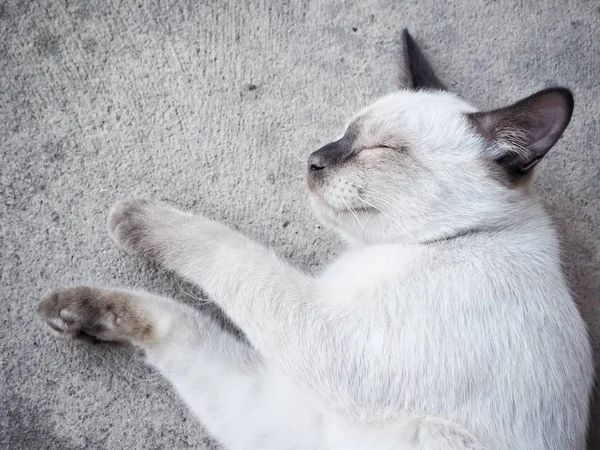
{"x": 327, "y": 215}
{"x": 338, "y": 218}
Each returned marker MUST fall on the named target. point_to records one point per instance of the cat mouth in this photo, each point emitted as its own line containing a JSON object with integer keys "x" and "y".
{"x": 317, "y": 189}
{"x": 314, "y": 181}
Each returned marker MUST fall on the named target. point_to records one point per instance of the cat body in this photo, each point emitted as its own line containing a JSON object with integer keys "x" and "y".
{"x": 467, "y": 381}
{"x": 447, "y": 324}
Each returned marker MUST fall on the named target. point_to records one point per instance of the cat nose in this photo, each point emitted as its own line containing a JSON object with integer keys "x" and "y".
{"x": 316, "y": 162}
{"x": 330, "y": 154}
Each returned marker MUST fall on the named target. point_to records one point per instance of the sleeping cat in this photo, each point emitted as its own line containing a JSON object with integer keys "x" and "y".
{"x": 447, "y": 323}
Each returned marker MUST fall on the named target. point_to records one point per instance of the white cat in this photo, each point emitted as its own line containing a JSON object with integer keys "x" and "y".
{"x": 447, "y": 324}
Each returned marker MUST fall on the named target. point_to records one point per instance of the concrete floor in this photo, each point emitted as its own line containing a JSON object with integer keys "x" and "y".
{"x": 214, "y": 106}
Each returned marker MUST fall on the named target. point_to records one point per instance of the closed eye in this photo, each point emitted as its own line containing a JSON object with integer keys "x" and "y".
{"x": 379, "y": 146}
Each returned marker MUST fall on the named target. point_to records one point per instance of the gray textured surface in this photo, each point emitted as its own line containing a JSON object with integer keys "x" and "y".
{"x": 214, "y": 106}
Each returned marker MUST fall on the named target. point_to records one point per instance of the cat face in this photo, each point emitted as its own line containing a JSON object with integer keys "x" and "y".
{"x": 421, "y": 163}
{"x": 399, "y": 161}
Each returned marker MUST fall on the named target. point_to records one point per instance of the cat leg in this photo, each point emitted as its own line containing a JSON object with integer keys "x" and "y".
{"x": 225, "y": 382}
{"x": 277, "y": 307}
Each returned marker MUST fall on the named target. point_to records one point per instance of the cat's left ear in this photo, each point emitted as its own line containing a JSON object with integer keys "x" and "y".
{"x": 419, "y": 73}
{"x": 520, "y": 135}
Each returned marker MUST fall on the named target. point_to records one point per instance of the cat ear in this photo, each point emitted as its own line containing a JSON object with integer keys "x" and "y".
{"x": 419, "y": 73}
{"x": 521, "y": 134}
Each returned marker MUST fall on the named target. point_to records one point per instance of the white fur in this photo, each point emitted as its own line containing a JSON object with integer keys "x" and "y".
{"x": 417, "y": 337}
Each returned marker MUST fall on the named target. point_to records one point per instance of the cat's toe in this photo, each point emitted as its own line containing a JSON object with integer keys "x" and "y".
{"x": 139, "y": 226}
{"x": 80, "y": 313}
{"x": 129, "y": 226}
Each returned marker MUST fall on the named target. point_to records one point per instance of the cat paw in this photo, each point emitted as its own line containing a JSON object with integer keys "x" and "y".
{"x": 92, "y": 314}
{"x": 131, "y": 225}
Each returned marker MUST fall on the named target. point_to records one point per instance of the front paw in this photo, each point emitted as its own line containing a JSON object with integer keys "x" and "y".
{"x": 92, "y": 314}
{"x": 137, "y": 225}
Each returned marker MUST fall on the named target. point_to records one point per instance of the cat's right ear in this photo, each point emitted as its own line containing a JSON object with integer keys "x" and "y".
{"x": 419, "y": 73}
{"x": 520, "y": 135}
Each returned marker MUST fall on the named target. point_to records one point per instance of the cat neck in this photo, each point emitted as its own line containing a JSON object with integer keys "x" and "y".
{"x": 518, "y": 214}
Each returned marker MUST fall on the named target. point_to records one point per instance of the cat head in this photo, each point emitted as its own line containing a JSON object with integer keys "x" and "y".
{"x": 421, "y": 163}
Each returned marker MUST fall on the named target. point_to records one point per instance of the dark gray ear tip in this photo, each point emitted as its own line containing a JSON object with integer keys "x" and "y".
{"x": 418, "y": 71}
{"x": 410, "y": 47}
{"x": 564, "y": 95}
{"x": 570, "y": 100}
{"x": 562, "y": 98}
{"x": 567, "y": 94}
{"x": 407, "y": 38}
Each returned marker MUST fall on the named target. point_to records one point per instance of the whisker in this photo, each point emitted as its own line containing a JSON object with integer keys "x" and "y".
{"x": 349, "y": 108}
{"x": 299, "y": 158}
{"x": 353, "y": 211}
{"x": 391, "y": 200}
{"x": 361, "y": 98}
{"x": 349, "y": 207}
{"x": 198, "y": 299}
{"x": 148, "y": 380}
{"x": 387, "y": 199}
{"x": 379, "y": 209}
